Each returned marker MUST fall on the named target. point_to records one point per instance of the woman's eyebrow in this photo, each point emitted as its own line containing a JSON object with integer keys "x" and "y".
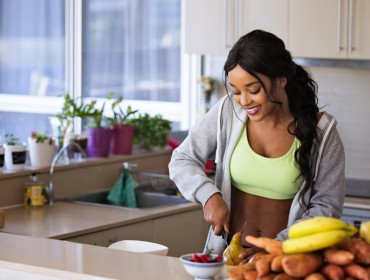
{"x": 247, "y": 85}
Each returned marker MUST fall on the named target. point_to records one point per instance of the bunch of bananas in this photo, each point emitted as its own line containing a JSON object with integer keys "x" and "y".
{"x": 315, "y": 234}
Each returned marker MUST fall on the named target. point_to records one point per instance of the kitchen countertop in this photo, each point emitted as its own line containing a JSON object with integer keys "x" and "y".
{"x": 65, "y": 219}
{"x": 23, "y": 257}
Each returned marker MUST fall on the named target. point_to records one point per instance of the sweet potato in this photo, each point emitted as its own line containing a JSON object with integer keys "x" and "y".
{"x": 269, "y": 244}
{"x": 356, "y": 271}
{"x": 338, "y": 256}
{"x": 276, "y": 263}
{"x": 269, "y": 276}
{"x": 237, "y": 272}
{"x": 284, "y": 276}
{"x": 263, "y": 265}
{"x": 315, "y": 276}
{"x": 303, "y": 264}
{"x": 358, "y": 247}
{"x": 250, "y": 275}
{"x": 333, "y": 272}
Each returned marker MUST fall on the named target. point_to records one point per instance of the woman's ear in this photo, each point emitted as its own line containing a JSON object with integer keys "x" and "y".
{"x": 282, "y": 82}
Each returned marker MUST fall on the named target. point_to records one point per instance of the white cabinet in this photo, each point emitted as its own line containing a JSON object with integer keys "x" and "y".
{"x": 267, "y": 15}
{"x": 329, "y": 29}
{"x": 212, "y": 26}
{"x": 95, "y": 238}
{"x": 208, "y": 26}
{"x": 182, "y": 233}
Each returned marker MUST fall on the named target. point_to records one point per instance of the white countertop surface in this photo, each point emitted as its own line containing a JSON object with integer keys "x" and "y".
{"x": 63, "y": 219}
{"x": 22, "y": 256}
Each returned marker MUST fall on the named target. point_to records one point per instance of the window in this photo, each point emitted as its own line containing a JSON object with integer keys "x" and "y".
{"x": 87, "y": 48}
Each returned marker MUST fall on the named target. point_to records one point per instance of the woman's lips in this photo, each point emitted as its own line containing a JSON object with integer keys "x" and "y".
{"x": 254, "y": 110}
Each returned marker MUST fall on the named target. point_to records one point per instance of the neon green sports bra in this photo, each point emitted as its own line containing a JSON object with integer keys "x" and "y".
{"x": 273, "y": 178}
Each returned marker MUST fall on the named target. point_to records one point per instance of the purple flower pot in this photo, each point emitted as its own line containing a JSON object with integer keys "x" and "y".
{"x": 98, "y": 141}
{"x": 123, "y": 136}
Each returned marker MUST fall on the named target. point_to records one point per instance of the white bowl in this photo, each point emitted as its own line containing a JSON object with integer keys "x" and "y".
{"x": 140, "y": 247}
{"x": 202, "y": 270}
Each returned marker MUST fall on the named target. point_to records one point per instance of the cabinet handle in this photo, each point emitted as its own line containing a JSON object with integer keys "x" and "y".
{"x": 226, "y": 17}
{"x": 340, "y": 6}
{"x": 352, "y": 19}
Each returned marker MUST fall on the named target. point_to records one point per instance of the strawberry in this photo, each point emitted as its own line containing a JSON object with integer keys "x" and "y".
{"x": 218, "y": 258}
{"x": 205, "y": 258}
{"x": 196, "y": 258}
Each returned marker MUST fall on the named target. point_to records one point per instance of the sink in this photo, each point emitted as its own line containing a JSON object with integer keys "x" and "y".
{"x": 144, "y": 198}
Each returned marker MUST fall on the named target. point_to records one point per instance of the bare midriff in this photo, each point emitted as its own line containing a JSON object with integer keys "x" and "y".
{"x": 257, "y": 216}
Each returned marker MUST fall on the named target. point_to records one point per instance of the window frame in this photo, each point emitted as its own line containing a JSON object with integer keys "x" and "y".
{"x": 175, "y": 111}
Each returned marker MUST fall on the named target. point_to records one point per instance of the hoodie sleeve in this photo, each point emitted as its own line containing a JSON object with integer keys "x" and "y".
{"x": 186, "y": 167}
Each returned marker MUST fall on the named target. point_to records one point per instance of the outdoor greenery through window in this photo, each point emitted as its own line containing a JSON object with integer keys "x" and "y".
{"x": 129, "y": 47}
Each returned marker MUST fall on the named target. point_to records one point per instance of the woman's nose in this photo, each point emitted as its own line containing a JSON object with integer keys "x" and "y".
{"x": 244, "y": 99}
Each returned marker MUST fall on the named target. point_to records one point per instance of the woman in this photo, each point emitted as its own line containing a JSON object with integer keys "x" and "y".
{"x": 278, "y": 159}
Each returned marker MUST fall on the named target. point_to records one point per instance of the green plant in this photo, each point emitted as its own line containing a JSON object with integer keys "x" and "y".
{"x": 95, "y": 116}
{"x": 150, "y": 131}
{"x": 120, "y": 117}
{"x": 12, "y": 140}
{"x": 41, "y": 137}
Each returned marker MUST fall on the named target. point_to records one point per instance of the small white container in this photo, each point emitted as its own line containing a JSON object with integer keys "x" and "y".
{"x": 202, "y": 270}
{"x": 41, "y": 153}
{"x": 140, "y": 247}
{"x": 15, "y": 157}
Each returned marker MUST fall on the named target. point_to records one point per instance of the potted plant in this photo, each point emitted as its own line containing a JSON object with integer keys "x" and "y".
{"x": 98, "y": 135}
{"x": 151, "y": 131}
{"x": 41, "y": 149}
{"x": 123, "y": 132}
{"x": 62, "y": 123}
{"x": 15, "y": 152}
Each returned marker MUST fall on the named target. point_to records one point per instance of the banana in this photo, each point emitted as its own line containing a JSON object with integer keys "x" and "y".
{"x": 365, "y": 231}
{"x": 315, "y": 241}
{"x": 315, "y": 225}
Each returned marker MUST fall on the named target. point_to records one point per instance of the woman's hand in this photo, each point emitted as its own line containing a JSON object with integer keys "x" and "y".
{"x": 248, "y": 254}
{"x": 216, "y": 213}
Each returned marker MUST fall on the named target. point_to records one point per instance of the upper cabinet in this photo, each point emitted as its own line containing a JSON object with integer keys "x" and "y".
{"x": 329, "y": 29}
{"x": 310, "y": 28}
{"x": 213, "y": 26}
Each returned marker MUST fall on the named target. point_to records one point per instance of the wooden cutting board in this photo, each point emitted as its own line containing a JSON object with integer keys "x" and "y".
{"x": 2, "y": 219}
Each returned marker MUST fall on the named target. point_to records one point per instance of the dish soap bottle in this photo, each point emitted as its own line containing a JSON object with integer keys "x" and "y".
{"x": 34, "y": 192}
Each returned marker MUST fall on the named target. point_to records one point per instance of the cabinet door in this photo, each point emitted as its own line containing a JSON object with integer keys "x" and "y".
{"x": 267, "y": 15}
{"x": 91, "y": 239}
{"x": 359, "y": 35}
{"x": 208, "y": 26}
{"x": 138, "y": 231}
{"x": 182, "y": 233}
{"x": 318, "y": 28}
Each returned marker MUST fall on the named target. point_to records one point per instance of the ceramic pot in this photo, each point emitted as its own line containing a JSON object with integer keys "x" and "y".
{"x": 15, "y": 156}
{"x": 41, "y": 153}
{"x": 98, "y": 141}
{"x": 122, "y": 139}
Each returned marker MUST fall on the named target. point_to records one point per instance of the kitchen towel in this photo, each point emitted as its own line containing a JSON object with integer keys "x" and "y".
{"x": 123, "y": 192}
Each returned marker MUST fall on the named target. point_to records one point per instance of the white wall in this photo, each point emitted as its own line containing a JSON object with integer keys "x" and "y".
{"x": 346, "y": 94}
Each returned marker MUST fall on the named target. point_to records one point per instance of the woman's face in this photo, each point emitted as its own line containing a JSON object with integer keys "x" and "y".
{"x": 250, "y": 94}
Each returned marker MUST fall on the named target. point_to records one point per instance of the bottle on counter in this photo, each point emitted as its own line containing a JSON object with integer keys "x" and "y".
{"x": 34, "y": 192}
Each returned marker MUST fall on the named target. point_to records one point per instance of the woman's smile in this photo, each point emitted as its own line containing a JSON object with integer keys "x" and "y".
{"x": 254, "y": 110}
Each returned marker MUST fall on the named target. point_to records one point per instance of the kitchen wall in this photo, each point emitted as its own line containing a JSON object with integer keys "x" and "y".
{"x": 344, "y": 90}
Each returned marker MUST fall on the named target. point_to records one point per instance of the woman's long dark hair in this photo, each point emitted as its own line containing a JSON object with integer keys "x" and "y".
{"x": 261, "y": 52}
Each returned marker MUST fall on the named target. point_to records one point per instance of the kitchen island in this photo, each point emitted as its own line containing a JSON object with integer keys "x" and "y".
{"x": 23, "y": 257}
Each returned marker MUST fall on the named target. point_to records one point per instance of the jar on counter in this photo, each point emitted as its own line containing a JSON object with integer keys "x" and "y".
{"x": 34, "y": 192}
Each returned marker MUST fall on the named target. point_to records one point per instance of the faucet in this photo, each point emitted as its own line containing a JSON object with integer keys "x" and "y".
{"x": 50, "y": 189}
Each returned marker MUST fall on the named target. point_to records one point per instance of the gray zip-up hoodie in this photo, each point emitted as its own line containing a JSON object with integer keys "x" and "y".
{"x": 215, "y": 136}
